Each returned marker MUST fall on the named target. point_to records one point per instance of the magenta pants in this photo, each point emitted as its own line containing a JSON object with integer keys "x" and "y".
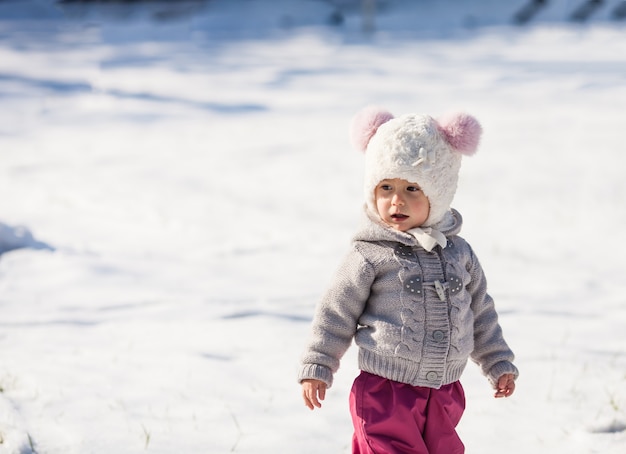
{"x": 395, "y": 418}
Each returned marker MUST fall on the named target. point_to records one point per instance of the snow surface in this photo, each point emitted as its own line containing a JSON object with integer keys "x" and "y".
{"x": 178, "y": 187}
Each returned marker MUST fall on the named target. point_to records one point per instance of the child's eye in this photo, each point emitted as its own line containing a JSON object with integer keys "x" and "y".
{"x": 413, "y": 189}
{"x": 385, "y": 187}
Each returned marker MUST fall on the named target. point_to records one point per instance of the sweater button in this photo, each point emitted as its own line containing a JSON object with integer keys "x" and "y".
{"x": 432, "y": 376}
{"x": 438, "y": 335}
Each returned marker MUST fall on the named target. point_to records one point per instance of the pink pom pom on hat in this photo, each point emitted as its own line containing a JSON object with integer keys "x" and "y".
{"x": 416, "y": 148}
{"x": 365, "y": 124}
{"x": 461, "y": 131}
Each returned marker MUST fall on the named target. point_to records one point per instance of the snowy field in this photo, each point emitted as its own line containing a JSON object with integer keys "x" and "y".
{"x": 177, "y": 188}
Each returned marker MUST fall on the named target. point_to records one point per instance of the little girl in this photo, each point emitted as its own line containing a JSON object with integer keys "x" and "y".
{"x": 410, "y": 292}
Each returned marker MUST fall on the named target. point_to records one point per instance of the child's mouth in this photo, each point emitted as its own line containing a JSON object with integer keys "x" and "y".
{"x": 399, "y": 216}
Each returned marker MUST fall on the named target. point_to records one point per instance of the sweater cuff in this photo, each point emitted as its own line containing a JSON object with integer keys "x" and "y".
{"x": 316, "y": 372}
{"x": 499, "y": 369}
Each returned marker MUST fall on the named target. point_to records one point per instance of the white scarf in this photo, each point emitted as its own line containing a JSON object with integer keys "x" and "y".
{"x": 428, "y": 237}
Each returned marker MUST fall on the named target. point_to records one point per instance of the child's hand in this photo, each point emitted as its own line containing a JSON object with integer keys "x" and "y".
{"x": 506, "y": 386}
{"x": 313, "y": 391}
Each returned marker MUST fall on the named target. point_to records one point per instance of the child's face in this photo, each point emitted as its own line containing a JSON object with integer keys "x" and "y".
{"x": 400, "y": 204}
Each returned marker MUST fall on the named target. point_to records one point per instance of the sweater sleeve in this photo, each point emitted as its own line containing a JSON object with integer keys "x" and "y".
{"x": 336, "y": 319}
{"x": 491, "y": 351}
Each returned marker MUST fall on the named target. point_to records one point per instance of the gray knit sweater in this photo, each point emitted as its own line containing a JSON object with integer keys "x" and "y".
{"x": 416, "y": 316}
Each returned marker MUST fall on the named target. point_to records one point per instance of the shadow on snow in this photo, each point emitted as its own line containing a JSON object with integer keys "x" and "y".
{"x": 19, "y": 237}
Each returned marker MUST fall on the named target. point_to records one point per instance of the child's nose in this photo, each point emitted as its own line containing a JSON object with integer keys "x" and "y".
{"x": 397, "y": 200}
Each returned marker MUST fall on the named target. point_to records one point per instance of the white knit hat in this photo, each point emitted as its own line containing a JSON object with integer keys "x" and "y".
{"x": 416, "y": 148}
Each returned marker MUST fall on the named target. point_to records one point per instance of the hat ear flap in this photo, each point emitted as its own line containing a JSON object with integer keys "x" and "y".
{"x": 461, "y": 131}
{"x": 365, "y": 124}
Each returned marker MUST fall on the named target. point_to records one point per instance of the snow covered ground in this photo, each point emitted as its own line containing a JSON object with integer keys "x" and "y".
{"x": 177, "y": 188}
